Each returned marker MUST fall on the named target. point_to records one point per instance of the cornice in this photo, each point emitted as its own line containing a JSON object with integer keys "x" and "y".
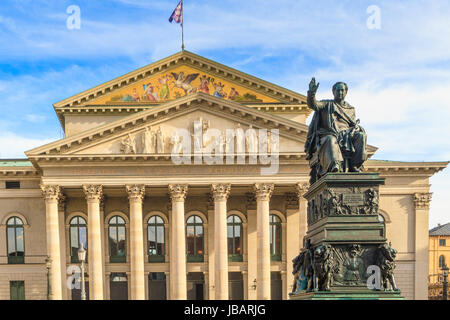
{"x": 407, "y": 168}
{"x": 63, "y": 160}
{"x": 127, "y": 108}
{"x": 19, "y": 172}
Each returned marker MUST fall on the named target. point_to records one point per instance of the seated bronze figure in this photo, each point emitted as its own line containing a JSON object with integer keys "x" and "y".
{"x": 336, "y": 142}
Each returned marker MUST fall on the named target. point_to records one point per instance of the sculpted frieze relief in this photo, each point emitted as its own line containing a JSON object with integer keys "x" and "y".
{"x": 343, "y": 201}
{"x": 232, "y": 140}
{"x": 343, "y": 265}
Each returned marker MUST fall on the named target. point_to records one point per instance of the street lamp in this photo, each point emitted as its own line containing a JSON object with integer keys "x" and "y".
{"x": 82, "y": 258}
{"x": 444, "y": 287}
{"x": 48, "y": 265}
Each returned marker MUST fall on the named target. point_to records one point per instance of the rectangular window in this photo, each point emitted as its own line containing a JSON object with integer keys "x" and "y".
{"x": 12, "y": 184}
{"x": 17, "y": 290}
{"x": 442, "y": 243}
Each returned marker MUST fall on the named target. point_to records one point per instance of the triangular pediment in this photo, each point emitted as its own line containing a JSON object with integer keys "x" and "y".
{"x": 124, "y": 138}
{"x": 182, "y": 74}
{"x": 181, "y": 113}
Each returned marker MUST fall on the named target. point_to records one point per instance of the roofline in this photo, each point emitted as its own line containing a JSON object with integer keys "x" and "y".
{"x": 140, "y": 73}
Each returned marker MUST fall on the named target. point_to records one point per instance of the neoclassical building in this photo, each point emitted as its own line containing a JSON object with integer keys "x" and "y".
{"x": 154, "y": 227}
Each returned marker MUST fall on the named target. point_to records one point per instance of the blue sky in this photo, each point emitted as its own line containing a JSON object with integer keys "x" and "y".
{"x": 399, "y": 75}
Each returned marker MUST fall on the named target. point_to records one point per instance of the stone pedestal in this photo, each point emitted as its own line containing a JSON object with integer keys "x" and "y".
{"x": 345, "y": 254}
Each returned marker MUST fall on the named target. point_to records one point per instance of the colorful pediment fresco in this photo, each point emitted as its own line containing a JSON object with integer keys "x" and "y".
{"x": 179, "y": 82}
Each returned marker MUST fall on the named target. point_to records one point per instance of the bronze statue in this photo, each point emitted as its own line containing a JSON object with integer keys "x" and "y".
{"x": 354, "y": 266}
{"x": 308, "y": 266}
{"x": 323, "y": 268}
{"x": 336, "y": 142}
{"x": 300, "y": 281}
{"x": 386, "y": 262}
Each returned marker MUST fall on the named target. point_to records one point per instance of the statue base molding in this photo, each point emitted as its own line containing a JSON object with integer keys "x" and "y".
{"x": 343, "y": 295}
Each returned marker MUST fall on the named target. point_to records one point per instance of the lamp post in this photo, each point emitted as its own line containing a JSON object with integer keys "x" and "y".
{"x": 82, "y": 258}
{"x": 48, "y": 265}
{"x": 445, "y": 285}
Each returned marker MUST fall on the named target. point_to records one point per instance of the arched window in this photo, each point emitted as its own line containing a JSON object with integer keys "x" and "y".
{"x": 194, "y": 239}
{"x": 15, "y": 241}
{"x": 117, "y": 240}
{"x": 441, "y": 262}
{"x": 156, "y": 243}
{"x": 234, "y": 233}
{"x": 77, "y": 231}
{"x": 275, "y": 237}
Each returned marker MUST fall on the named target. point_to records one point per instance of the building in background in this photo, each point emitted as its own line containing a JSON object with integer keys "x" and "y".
{"x": 439, "y": 250}
{"x": 156, "y": 230}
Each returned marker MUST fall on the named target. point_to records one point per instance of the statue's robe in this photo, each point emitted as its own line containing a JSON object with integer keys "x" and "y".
{"x": 333, "y": 132}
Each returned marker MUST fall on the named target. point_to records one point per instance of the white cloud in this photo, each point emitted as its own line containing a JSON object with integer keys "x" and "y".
{"x": 13, "y": 145}
{"x": 35, "y": 118}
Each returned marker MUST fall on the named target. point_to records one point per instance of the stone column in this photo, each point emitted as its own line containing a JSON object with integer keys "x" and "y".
{"x": 220, "y": 193}
{"x": 263, "y": 192}
{"x": 252, "y": 243}
{"x": 421, "y": 241}
{"x": 211, "y": 247}
{"x": 93, "y": 195}
{"x": 136, "y": 194}
{"x": 52, "y": 195}
{"x": 301, "y": 189}
{"x": 62, "y": 243}
{"x": 178, "y": 243}
{"x": 296, "y": 227}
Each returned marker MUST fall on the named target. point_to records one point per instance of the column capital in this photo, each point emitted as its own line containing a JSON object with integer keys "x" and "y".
{"x": 301, "y": 189}
{"x": 220, "y": 191}
{"x": 51, "y": 192}
{"x": 263, "y": 191}
{"x": 178, "y": 192}
{"x": 135, "y": 192}
{"x": 93, "y": 192}
{"x": 422, "y": 200}
{"x": 62, "y": 202}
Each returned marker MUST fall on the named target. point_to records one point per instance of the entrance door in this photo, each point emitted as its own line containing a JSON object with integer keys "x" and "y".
{"x": 157, "y": 286}
{"x": 17, "y": 290}
{"x": 235, "y": 286}
{"x": 118, "y": 286}
{"x": 76, "y": 293}
{"x": 195, "y": 286}
{"x": 276, "y": 292}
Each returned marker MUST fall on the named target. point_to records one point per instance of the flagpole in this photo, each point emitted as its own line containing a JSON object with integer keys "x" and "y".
{"x": 182, "y": 26}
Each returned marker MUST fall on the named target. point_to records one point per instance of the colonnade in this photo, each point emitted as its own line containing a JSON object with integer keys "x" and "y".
{"x": 177, "y": 279}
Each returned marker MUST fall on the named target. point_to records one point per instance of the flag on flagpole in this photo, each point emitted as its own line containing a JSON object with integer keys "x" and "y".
{"x": 177, "y": 14}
